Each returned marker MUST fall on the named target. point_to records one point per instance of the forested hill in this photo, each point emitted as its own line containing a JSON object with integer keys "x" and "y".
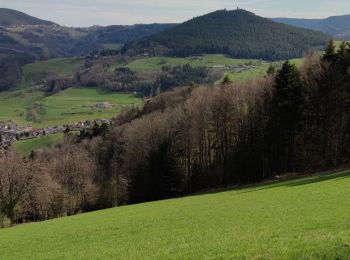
{"x": 9, "y": 17}
{"x": 238, "y": 33}
{"x": 121, "y": 34}
{"x": 24, "y": 38}
{"x": 337, "y": 26}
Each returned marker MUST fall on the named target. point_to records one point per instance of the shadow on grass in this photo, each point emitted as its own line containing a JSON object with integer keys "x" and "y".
{"x": 269, "y": 184}
{"x": 297, "y": 181}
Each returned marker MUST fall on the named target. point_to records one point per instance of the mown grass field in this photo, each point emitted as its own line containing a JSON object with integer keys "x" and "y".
{"x": 209, "y": 60}
{"x": 260, "y": 70}
{"x": 79, "y": 104}
{"x": 69, "y": 106}
{"x": 248, "y": 74}
{"x": 298, "y": 62}
{"x": 34, "y": 72}
{"x": 14, "y": 104}
{"x": 26, "y": 146}
{"x": 112, "y": 46}
{"x": 307, "y": 218}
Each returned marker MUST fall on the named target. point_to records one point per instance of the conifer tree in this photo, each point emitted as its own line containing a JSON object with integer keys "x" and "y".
{"x": 287, "y": 110}
{"x": 330, "y": 53}
{"x": 159, "y": 177}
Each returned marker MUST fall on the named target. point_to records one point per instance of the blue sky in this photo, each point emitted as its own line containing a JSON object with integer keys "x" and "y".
{"x": 107, "y": 12}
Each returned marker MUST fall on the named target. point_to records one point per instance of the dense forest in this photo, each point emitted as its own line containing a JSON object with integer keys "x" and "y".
{"x": 11, "y": 63}
{"x": 121, "y": 34}
{"x": 189, "y": 139}
{"x": 238, "y": 33}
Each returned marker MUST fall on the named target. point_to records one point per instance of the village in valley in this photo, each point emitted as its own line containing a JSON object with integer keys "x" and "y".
{"x": 11, "y": 132}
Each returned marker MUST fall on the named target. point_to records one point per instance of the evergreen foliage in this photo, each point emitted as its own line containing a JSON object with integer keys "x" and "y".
{"x": 238, "y": 33}
{"x": 287, "y": 110}
{"x": 159, "y": 176}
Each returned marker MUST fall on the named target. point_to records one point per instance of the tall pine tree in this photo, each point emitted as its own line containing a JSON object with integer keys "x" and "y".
{"x": 287, "y": 110}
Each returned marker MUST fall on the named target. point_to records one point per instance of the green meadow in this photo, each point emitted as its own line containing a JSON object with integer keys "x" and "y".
{"x": 259, "y": 70}
{"x": 248, "y": 74}
{"x": 79, "y": 104}
{"x": 14, "y": 105}
{"x": 69, "y": 106}
{"x": 26, "y": 146}
{"x": 298, "y": 62}
{"x": 112, "y": 46}
{"x": 34, "y": 72}
{"x": 209, "y": 60}
{"x": 306, "y": 218}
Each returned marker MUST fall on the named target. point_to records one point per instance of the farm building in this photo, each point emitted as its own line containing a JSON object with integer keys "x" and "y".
{"x": 104, "y": 105}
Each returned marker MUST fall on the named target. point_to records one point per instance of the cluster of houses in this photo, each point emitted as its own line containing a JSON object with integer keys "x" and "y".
{"x": 11, "y": 132}
{"x": 235, "y": 68}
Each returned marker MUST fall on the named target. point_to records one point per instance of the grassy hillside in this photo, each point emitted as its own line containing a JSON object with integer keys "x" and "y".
{"x": 79, "y": 104}
{"x": 25, "y": 147}
{"x": 299, "y": 219}
{"x": 210, "y": 60}
{"x": 15, "y": 104}
{"x": 69, "y": 106}
{"x": 37, "y": 71}
{"x": 260, "y": 70}
{"x": 248, "y": 74}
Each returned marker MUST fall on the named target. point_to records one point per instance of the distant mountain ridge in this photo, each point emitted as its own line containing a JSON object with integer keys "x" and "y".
{"x": 337, "y": 26}
{"x": 41, "y": 39}
{"x": 237, "y": 33}
{"x": 9, "y": 17}
{"x": 126, "y": 33}
{"x": 24, "y": 38}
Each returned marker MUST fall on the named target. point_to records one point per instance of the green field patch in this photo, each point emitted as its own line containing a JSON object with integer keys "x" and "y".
{"x": 210, "y": 60}
{"x": 40, "y": 70}
{"x": 112, "y": 46}
{"x": 81, "y": 104}
{"x": 247, "y": 74}
{"x": 69, "y": 106}
{"x": 25, "y": 147}
{"x": 260, "y": 69}
{"x": 305, "y": 218}
{"x": 14, "y": 105}
{"x": 298, "y": 62}
{"x": 337, "y": 43}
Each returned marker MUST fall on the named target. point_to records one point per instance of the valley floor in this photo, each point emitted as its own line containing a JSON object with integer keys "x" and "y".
{"x": 307, "y": 218}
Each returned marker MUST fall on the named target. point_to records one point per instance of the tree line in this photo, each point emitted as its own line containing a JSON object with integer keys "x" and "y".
{"x": 192, "y": 138}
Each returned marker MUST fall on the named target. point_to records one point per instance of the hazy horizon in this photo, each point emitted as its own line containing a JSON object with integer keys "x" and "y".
{"x": 86, "y": 13}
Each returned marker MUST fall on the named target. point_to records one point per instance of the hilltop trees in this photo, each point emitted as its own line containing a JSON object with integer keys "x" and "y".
{"x": 287, "y": 111}
{"x": 237, "y": 33}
